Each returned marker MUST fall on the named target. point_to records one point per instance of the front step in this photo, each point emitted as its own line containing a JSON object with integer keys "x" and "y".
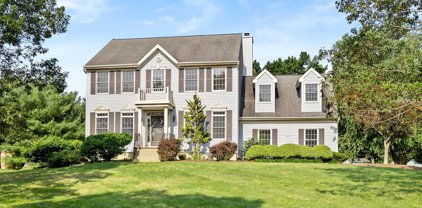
{"x": 146, "y": 155}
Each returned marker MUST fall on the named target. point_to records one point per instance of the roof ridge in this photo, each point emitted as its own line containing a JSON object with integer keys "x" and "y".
{"x": 177, "y": 36}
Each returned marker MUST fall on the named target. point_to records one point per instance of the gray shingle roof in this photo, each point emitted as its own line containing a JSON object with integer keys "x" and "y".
{"x": 199, "y": 48}
{"x": 287, "y": 102}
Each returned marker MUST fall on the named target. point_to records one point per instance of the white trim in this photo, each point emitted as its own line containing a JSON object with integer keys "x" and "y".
{"x": 121, "y": 81}
{"x": 212, "y": 124}
{"x": 96, "y": 83}
{"x": 212, "y": 79}
{"x": 309, "y": 71}
{"x": 96, "y": 117}
{"x": 318, "y": 92}
{"x": 152, "y": 79}
{"x": 259, "y": 94}
{"x": 262, "y": 73}
{"x": 271, "y": 135}
{"x": 133, "y": 122}
{"x": 317, "y": 135}
{"x": 197, "y": 79}
{"x": 153, "y": 50}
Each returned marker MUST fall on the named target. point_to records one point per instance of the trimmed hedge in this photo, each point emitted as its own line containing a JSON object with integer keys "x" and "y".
{"x": 287, "y": 151}
{"x": 43, "y": 150}
{"x": 105, "y": 146}
{"x": 223, "y": 150}
{"x": 168, "y": 149}
{"x": 339, "y": 157}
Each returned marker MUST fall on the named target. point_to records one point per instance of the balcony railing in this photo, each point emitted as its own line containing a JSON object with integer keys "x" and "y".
{"x": 156, "y": 94}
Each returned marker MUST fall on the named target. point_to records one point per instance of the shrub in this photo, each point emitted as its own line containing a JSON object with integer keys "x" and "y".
{"x": 104, "y": 146}
{"x": 168, "y": 149}
{"x": 43, "y": 149}
{"x": 323, "y": 153}
{"x": 64, "y": 158}
{"x": 14, "y": 162}
{"x": 289, "y": 151}
{"x": 339, "y": 157}
{"x": 224, "y": 150}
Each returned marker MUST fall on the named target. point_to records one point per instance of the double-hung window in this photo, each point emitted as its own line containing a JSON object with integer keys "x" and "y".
{"x": 311, "y": 137}
{"x": 128, "y": 81}
{"x": 191, "y": 79}
{"x": 127, "y": 123}
{"x": 102, "y": 82}
{"x": 264, "y": 136}
{"x": 311, "y": 92}
{"x": 219, "y": 78}
{"x": 101, "y": 123}
{"x": 158, "y": 80}
{"x": 264, "y": 93}
{"x": 219, "y": 125}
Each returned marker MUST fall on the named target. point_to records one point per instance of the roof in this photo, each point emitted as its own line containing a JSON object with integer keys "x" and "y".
{"x": 199, "y": 48}
{"x": 287, "y": 102}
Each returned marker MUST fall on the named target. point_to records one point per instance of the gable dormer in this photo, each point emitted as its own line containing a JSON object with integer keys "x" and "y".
{"x": 265, "y": 92}
{"x": 310, "y": 85}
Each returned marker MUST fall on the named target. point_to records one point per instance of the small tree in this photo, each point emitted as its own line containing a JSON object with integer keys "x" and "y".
{"x": 194, "y": 128}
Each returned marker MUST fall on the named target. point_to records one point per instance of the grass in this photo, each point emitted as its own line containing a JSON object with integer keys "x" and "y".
{"x": 211, "y": 184}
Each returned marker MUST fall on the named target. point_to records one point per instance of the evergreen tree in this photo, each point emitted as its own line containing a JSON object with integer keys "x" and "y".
{"x": 195, "y": 129}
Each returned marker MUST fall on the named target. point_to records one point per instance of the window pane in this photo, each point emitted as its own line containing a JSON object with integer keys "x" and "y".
{"x": 158, "y": 80}
{"x": 191, "y": 79}
{"x": 127, "y": 125}
{"x": 264, "y": 137}
{"x": 102, "y": 124}
{"x": 311, "y": 138}
{"x": 311, "y": 92}
{"x": 264, "y": 93}
{"x": 219, "y": 77}
{"x": 128, "y": 81}
{"x": 219, "y": 124}
{"x": 102, "y": 82}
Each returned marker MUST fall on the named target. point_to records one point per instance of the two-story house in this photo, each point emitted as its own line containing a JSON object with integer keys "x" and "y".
{"x": 140, "y": 86}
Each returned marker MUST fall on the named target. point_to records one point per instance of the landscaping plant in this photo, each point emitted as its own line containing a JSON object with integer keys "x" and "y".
{"x": 223, "y": 150}
{"x": 104, "y": 146}
{"x": 168, "y": 149}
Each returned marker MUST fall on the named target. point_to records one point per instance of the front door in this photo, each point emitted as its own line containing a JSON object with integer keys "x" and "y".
{"x": 157, "y": 128}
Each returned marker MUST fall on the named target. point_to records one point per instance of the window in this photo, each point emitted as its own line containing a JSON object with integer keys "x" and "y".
{"x": 102, "y": 82}
{"x": 264, "y": 93}
{"x": 128, "y": 81}
{"x": 191, "y": 79}
{"x": 264, "y": 136}
{"x": 219, "y": 79}
{"x": 311, "y": 138}
{"x": 127, "y": 123}
{"x": 102, "y": 123}
{"x": 218, "y": 125}
{"x": 158, "y": 80}
{"x": 311, "y": 93}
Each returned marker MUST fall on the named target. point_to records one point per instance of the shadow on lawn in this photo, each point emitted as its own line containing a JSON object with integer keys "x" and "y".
{"x": 149, "y": 198}
{"x": 365, "y": 182}
{"x": 42, "y": 184}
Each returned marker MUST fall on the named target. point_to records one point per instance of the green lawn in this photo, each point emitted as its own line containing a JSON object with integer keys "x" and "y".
{"x": 211, "y": 184}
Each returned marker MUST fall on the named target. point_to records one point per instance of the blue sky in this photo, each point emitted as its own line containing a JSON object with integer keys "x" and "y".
{"x": 280, "y": 28}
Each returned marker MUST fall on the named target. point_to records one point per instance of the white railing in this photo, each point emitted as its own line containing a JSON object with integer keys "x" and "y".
{"x": 156, "y": 94}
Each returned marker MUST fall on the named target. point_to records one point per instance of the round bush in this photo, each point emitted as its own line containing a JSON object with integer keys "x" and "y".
{"x": 224, "y": 150}
{"x": 263, "y": 152}
{"x": 14, "y": 162}
{"x": 43, "y": 149}
{"x": 339, "y": 157}
{"x": 168, "y": 149}
{"x": 104, "y": 146}
{"x": 64, "y": 158}
{"x": 323, "y": 153}
{"x": 291, "y": 151}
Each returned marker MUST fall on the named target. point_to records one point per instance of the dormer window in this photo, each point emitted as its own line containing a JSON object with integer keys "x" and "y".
{"x": 264, "y": 93}
{"x": 311, "y": 93}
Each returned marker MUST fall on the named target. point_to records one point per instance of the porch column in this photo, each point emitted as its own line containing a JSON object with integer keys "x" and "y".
{"x": 140, "y": 122}
{"x": 166, "y": 122}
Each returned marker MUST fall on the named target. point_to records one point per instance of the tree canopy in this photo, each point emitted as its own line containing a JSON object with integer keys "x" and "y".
{"x": 293, "y": 65}
{"x": 377, "y": 70}
{"x": 24, "y": 26}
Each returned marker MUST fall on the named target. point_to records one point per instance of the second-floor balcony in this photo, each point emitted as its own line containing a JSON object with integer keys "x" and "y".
{"x": 155, "y": 98}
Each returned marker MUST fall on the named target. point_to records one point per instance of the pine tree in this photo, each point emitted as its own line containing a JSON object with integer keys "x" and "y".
{"x": 194, "y": 128}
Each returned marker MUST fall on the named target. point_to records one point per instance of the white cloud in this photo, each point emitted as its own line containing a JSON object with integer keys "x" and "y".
{"x": 147, "y": 22}
{"x": 84, "y": 11}
{"x": 208, "y": 12}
